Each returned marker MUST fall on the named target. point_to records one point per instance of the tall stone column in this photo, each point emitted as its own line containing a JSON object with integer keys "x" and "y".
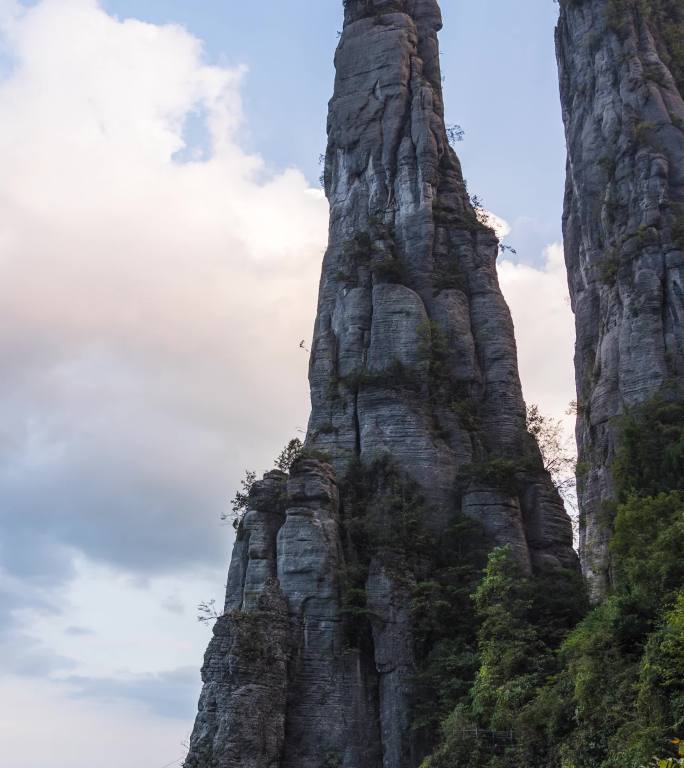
{"x": 621, "y": 68}
{"x": 415, "y": 392}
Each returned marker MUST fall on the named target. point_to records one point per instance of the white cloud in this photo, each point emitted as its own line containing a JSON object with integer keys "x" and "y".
{"x": 148, "y": 304}
{"x": 544, "y": 328}
{"x": 141, "y": 635}
{"x": 154, "y": 295}
{"x": 500, "y": 226}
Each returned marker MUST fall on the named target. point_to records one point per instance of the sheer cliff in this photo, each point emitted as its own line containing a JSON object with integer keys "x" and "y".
{"x": 417, "y": 420}
{"x": 621, "y": 76}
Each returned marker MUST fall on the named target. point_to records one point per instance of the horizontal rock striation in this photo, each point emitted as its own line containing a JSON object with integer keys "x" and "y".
{"x": 417, "y": 418}
{"x": 282, "y": 685}
{"x": 621, "y": 75}
{"x": 414, "y": 354}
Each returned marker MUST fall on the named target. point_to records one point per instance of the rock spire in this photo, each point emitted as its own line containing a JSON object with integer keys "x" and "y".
{"x": 417, "y": 417}
{"x": 621, "y": 78}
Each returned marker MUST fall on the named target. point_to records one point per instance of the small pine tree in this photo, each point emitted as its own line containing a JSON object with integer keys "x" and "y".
{"x": 290, "y": 453}
{"x": 240, "y": 502}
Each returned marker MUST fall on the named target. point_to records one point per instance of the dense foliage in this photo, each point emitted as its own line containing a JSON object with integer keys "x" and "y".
{"x": 606, "y": 691}
{"x": 521, "y": 622}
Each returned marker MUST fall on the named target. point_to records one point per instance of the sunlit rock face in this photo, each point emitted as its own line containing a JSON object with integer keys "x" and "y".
{"x": 414, "y": 354}
{"x": 413, "y": 374}
{"x": 621, "y": 76}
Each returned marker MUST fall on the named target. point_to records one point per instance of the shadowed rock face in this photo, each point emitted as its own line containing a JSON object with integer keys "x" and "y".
{"x": 413, "y": 365}
{"x": 621, "y": 88}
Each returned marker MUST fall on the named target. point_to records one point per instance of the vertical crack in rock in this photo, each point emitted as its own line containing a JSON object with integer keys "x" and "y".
{"x": 621, "y": 75}
{"x": 416, "y": 406}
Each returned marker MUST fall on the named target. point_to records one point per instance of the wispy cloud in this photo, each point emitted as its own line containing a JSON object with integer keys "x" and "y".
{"x": 170, "y": 694}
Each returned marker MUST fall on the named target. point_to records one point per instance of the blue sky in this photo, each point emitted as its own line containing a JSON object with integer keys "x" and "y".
{"x": 161, "y": 234}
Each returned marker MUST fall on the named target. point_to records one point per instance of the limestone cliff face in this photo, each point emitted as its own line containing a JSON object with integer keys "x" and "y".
{"x": 414, "y": 354}
{"x": 416, "y": 407}
{"x": 621, "y": 74}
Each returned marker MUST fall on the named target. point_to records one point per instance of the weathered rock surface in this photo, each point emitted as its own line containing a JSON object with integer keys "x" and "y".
{"x": 621, "y": 67}
{"x": 331, "y": 710}
{"x": 413, "y": 363}
{"x": 241, "y": 719}
{"x": 414, "y": 354}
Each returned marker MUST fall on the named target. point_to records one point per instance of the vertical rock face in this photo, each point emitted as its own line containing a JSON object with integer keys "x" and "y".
{"x": 621, "y": 75}
{"x": 414, "y": 384}
{"x": 414, "y": 354}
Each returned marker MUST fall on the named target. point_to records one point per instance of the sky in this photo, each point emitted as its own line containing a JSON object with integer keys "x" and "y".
{"x": 161, "y": 235}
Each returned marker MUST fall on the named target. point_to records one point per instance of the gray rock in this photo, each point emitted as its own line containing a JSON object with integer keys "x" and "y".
{"x": 624, "y": 232}
{"x": 414, "y": 359}
{"x": 501, "y": 516}
{"x": 389, "y": 595}
{"x": 241, "y": 718}
{"x": 332, "y": 706}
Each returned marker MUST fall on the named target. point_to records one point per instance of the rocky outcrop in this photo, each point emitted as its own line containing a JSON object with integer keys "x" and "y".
{"x": 621, "y": 74}
{"x": 241, "y": 719}
{"x": 331, "y": 712}
{"x": 282, "y": 686}
{"x": 417, "y": 418}
{"x": 414, "y": 354}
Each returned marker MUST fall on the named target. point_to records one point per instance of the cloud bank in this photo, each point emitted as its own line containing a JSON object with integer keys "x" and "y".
{"x": 155, "y": 282}
{"x": 152, "y": 292}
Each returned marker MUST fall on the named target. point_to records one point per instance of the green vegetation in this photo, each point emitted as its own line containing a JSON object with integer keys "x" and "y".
{"x": 367, "y": 9}
{"x": 678, "y": 221}
{"x": 446, "y": 392}
{"x": 445, "y": 622}
{"x": 332, "y": 760}
{"x": 374, "y": 495}
{"x": 521, "y": 621}
{"x": 496, "y": 473}
{"x": 512, "y": 670}
{"x": 396, "y": 376}
{"x": 384, "y": 511}
{"x": 448, "y": 276}
{"x": 385, "y": 517}
{"x": 555, "y": 690}
{"x": 650, "y": 456}
{"x": 240, "y": 502}
{"x": 667, "y": 18}
{"x": 472, "y": 218}
{"x": 643, "y": 131}
{"x": 290, "y": 453}
{"x": 373, "y": 250}
{"x": 608, "y": 164}
{"x": 609, "y": 267}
